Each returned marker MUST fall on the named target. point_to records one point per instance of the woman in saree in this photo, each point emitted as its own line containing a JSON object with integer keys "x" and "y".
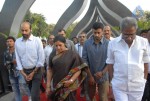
{"x": 65, "y": 67}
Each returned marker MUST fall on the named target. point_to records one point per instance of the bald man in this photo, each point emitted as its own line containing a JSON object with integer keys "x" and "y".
{"x": 30, "y": 59}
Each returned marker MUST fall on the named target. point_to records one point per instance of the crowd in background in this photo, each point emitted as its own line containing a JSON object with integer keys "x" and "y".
{"x": 117, "y": 69}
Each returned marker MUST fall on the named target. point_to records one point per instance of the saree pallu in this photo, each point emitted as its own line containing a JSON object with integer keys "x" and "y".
{"x": 60, "y": 92}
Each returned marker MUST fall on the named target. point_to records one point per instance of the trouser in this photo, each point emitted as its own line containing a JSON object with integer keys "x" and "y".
{"x": 19, "y": 86}
{"x": 103, "y": 89}
{"x": 84, "y": 89}
{"x": 42, "y": 88}
{"x": 121, "y": 95}
{"x": 146, "y": 95}
{"x": 34, "y": 84}
{"x": 2, "y": 89}
{"x": 5, "y": 78}
{"x": 1, "y": 83}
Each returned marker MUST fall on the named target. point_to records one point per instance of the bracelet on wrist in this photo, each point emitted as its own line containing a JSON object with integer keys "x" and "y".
{"x": 48, "y": 86}
{"x": 71, "y": 80}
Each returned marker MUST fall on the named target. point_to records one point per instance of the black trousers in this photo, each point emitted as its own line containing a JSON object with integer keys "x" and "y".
{"x": 5, "y": 79}
{"x": 2, "y": 88}
{"x": 34, "y": 84}
{"x": 146, "y": 95}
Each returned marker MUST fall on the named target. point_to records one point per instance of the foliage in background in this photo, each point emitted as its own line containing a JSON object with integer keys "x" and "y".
{"x": 42, "y": 29}
{"x": 117, "y": 28}
{"x": 4, "y": 35}
{"x": 144, "y": 22}
{"x": 39, "y": 26}
{"x": 51, "y": 27}
{"x": 70, "y": 29}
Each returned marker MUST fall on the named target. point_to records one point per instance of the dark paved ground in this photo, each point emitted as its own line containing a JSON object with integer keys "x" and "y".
{"x": 7, "y": 97}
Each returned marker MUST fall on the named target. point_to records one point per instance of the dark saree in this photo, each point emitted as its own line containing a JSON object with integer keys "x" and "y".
{"x": 64, "y": 66}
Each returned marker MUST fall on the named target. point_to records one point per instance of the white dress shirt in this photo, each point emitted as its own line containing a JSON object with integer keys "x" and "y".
{"x": 128, "y": 63}
{"x": 79, "y": 49}
{"x": 48, "y": 49}
{"x": 111, "y": 38}
{"x": 29, "y": 53}
{"x": 149, "y": 63}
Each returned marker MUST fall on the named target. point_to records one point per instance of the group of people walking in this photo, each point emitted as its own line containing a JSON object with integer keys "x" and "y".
{"x": 115, "y": 68}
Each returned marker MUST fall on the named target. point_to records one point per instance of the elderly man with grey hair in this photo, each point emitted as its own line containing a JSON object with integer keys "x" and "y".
{"x": 127, "y": 62}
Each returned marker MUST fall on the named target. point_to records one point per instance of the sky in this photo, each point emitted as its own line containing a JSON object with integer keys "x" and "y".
{"x": 53, "y": 9}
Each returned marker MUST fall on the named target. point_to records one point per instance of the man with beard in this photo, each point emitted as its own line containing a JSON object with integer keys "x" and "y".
{"x": 95, "y": 54}
{"x": 30, "y": 59}
{"x": 127, "y": 59}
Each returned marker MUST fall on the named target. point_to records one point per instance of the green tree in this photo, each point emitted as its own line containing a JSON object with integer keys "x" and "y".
{"x": 51, "y": 28}
{"x": 70, "y": 29}
{"x": 144, "y": 22}
{"x": 147, "y": 15}
{"x": 39, "y": 26}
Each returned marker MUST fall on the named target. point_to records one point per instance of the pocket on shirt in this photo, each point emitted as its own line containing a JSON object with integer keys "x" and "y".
{"x": 138, "y": 55}
{"x": 119, "y": 56}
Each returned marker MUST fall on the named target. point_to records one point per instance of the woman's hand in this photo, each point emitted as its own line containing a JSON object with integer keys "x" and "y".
{"x": 68, "y": 83}
{"x": 91, "y": 80}
{"x": 48, "y": 90}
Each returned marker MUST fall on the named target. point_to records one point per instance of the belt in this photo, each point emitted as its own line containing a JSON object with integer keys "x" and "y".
{"x": 29, "y": 69}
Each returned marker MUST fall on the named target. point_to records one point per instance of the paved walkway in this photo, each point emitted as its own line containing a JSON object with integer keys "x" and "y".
{"x": 8, "y": 97}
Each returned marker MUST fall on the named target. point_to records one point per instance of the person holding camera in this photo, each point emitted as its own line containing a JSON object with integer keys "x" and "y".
{"x": 17, "y": 80}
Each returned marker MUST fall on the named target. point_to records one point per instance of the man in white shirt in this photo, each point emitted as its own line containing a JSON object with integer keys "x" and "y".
{"x": 79, "y": 45}
{"x": 107, "y": 32}
{"x": 48, "y": 49}
{"x": 30, "y": 58}
{"x": 127, "y": 62}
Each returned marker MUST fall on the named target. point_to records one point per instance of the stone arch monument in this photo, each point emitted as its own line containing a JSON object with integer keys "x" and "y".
{"x": 109, "y": 12}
